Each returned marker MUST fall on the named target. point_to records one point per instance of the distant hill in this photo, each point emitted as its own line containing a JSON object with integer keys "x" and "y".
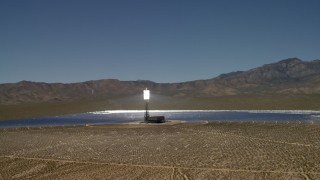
{"x": 290, "y": 76}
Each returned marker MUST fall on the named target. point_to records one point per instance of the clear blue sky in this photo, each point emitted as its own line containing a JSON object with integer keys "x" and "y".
{"x": 158, "y": 40}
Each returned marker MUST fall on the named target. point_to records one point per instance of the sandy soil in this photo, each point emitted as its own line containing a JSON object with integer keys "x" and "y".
{"x": 177, "y": 151}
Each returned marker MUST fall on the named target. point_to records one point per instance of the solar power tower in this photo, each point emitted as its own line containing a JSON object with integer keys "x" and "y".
{"x": 147, "y": 117}
{"x": 146, "y": 97}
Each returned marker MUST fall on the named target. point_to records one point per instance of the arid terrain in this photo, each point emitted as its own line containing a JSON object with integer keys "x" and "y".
{"x": 290, "y": 84}
{"x": 180, "y": 151}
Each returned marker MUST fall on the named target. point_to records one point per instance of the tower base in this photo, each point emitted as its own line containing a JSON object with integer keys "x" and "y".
{"x": 155, "y": 119}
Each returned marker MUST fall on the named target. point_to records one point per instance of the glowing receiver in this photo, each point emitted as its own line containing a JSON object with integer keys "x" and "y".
{"x": 146, "y": 94}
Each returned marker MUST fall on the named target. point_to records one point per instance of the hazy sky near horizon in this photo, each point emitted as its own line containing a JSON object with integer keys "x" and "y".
{"x": 158, "y": 40}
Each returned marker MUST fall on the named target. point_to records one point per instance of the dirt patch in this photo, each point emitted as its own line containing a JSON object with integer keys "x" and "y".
{"x": 178, "y": 151}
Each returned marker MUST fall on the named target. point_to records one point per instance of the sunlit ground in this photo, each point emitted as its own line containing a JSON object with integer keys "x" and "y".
{"x": 181, "y": 151}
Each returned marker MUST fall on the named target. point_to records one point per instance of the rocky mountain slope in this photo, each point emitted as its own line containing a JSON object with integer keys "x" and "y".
{"x": 286, "y": 76}
{"x": 290, "y": 76}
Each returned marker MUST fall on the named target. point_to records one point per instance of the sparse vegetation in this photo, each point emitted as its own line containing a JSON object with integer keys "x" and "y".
{"x": 186, "y": 151}
{"x": 236, "y": 102}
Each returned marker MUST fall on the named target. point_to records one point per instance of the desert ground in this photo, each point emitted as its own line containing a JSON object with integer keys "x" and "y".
{"x": 167, "y": 151}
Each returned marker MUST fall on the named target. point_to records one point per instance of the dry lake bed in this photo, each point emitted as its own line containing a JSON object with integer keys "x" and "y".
{"x": 168, "y": 151}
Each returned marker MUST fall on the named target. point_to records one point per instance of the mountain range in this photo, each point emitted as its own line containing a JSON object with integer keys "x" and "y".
{"x": 289, "y": 76}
